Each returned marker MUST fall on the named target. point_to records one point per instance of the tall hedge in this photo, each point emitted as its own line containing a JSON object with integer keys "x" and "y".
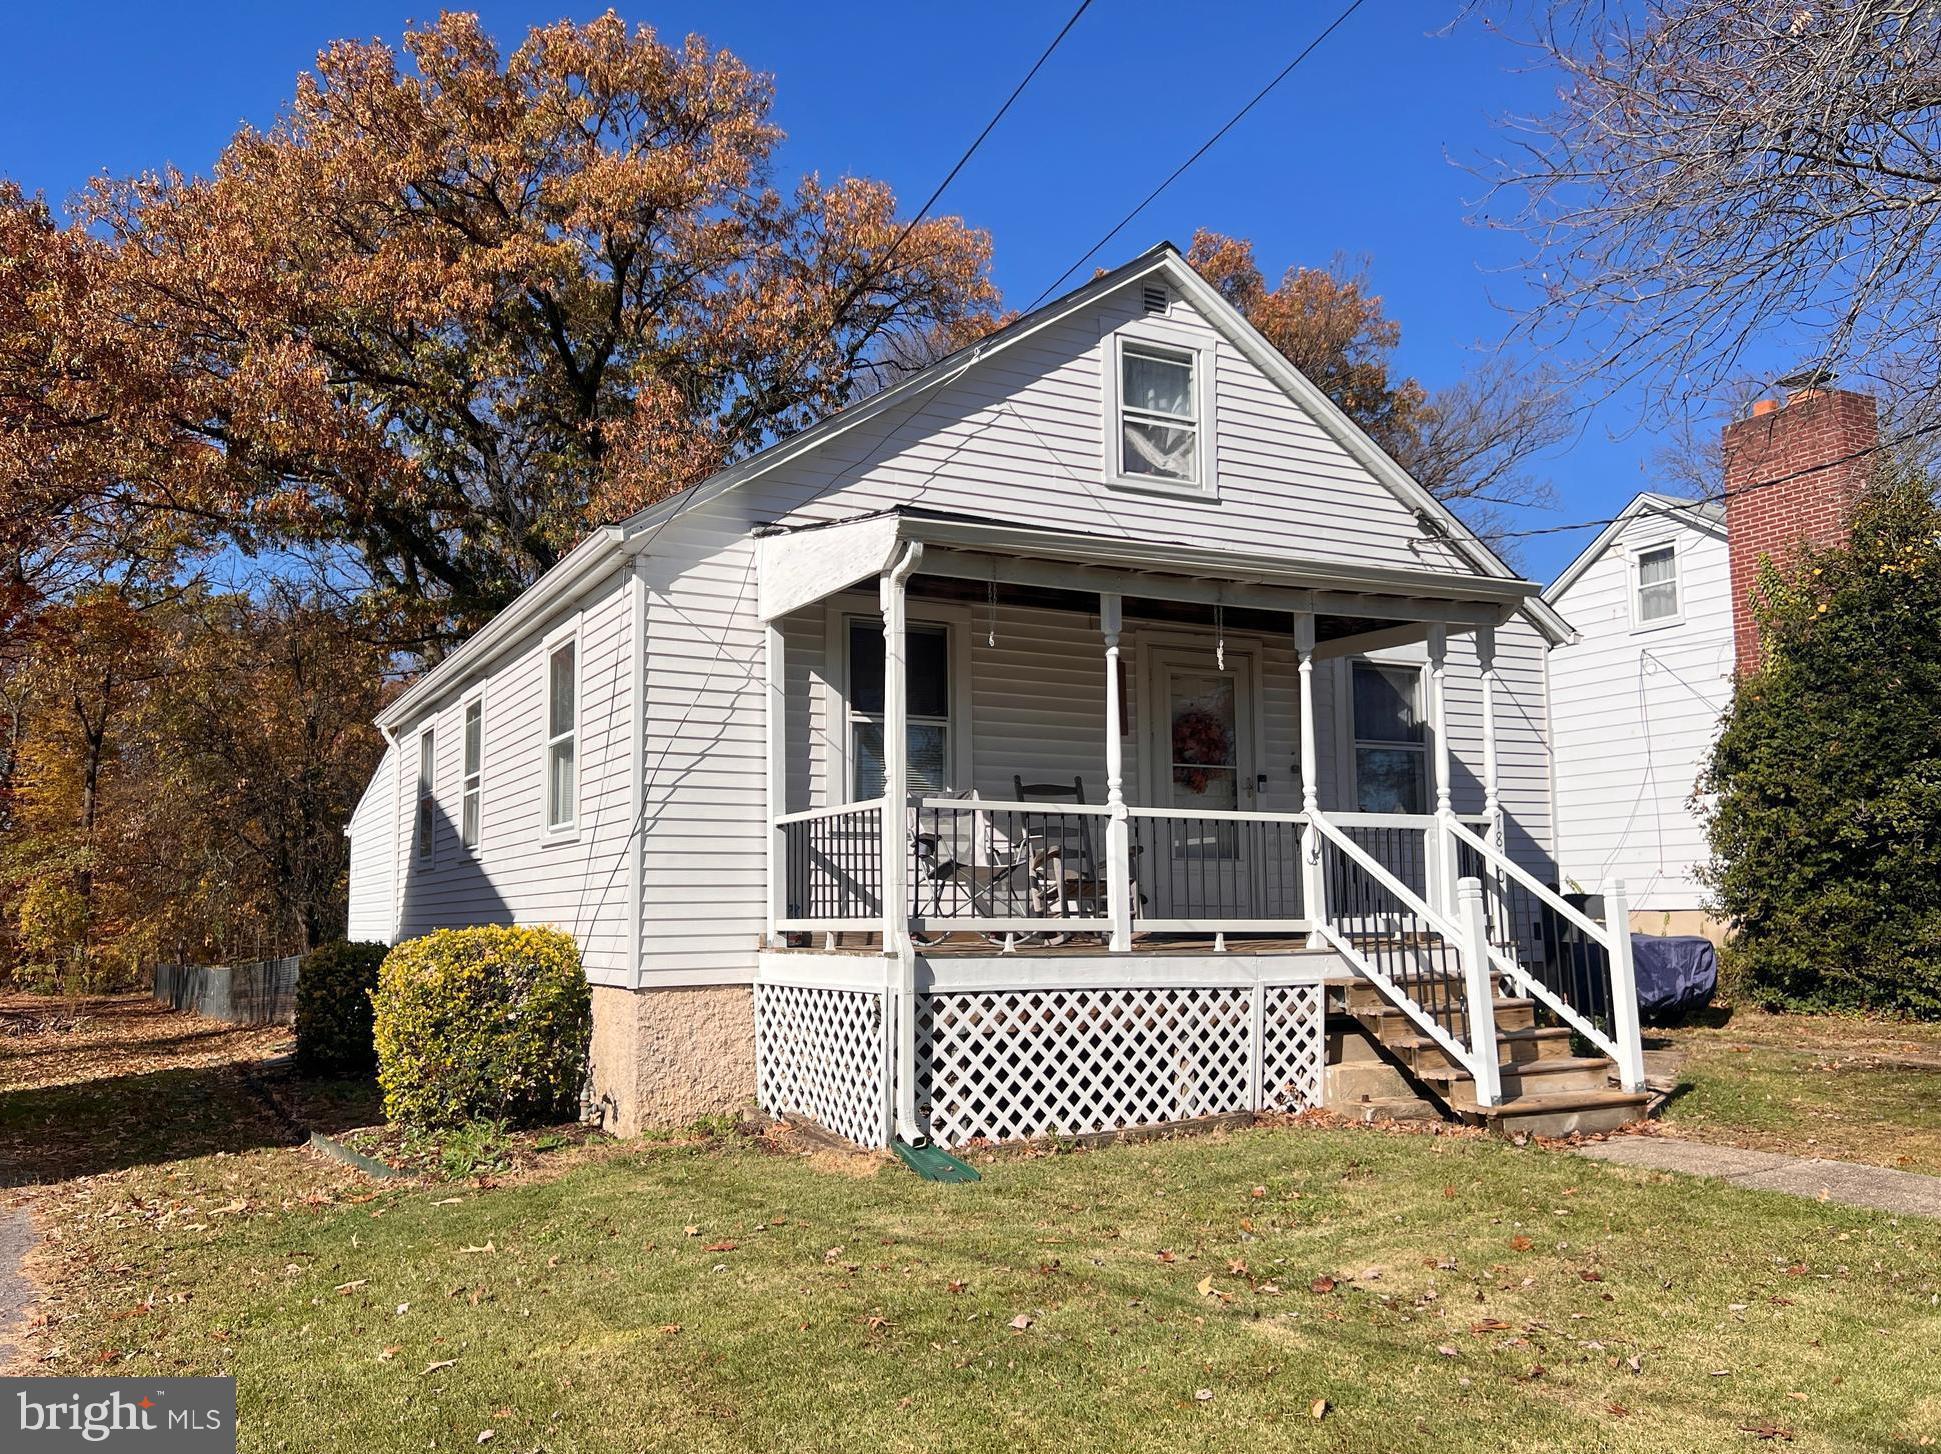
{"x": 334, "y": 985}
{"x": 491, "y": 1023}
{"x": 1826, "y": 833}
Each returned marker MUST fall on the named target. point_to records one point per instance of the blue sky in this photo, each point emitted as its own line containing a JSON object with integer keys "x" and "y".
{"x": 1356, "y": 153}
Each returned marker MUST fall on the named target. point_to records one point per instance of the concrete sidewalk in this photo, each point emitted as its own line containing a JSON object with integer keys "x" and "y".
{"x": 1848, "y": 1183}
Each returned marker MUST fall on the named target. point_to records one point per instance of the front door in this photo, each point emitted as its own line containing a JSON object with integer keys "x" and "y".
{"x": 1203, "y": 752}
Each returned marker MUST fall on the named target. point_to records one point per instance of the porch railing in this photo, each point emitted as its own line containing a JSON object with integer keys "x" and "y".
{"x": 832, "y": 865}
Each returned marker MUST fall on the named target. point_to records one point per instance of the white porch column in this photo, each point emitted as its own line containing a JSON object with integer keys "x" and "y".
{"x": 1492, "y": 803}
{"x": 1312, "y": 891}
{"x": 1118, "y": 829}
{"x": 1441, "y": 855}
{"x": 774, "y": 665}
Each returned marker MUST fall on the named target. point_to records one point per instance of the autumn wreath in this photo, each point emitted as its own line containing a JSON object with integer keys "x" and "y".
{"x": 1200, "y": 741}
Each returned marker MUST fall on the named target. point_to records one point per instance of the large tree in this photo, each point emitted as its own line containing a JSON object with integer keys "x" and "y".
{"x": 1729, "y": 185}
{"x": 457, "y": 306}
{"x": 1472, "y": 444}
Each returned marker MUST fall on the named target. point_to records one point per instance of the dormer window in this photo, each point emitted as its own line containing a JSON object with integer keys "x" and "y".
{"x": 1159, "y": 417}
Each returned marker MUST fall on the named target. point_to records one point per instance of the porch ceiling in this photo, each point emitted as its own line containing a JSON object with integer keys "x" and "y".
{"x": 1160, "y": 580}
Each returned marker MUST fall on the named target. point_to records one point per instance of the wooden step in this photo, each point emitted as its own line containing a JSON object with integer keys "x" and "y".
{"x": 1556, "y": 1076}
{"x": 1545, "y": 1042}
{"x": 1581, "y": 1112}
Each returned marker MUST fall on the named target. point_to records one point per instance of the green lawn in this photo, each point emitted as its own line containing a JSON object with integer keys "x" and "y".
{"x": 1850, "y": 1089}
{"x": 1195, "y": 1294}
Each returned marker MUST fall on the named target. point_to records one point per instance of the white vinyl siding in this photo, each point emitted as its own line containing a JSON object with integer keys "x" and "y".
{"x": 1636, "y": 712}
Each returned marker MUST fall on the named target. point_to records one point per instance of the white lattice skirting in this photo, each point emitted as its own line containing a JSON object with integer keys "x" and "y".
{"x": 1016, "y": 1064}
{"x": 821, "y": 1053}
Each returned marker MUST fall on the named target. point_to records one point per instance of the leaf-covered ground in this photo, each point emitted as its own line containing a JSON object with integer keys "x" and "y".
{"x": 1846, "y": 1088}
{"x": 1208, "y": 1293}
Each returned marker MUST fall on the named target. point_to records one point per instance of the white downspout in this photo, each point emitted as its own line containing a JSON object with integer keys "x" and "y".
{"x": 899, "y": 953}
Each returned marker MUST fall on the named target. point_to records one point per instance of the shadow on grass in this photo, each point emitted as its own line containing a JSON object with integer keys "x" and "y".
{"x": 55, "y": 1133}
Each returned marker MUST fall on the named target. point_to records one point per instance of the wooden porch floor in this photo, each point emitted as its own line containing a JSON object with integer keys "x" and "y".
{"x": 976, "y": 946}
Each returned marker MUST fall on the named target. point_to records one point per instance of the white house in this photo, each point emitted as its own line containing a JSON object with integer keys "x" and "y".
{"x": 1661, "y": 605}
{"x": 1635, "y": 702}
{"x": 1049, "y": 743}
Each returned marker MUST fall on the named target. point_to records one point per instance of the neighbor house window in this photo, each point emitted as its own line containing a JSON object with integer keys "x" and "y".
{"x": 562, "y": 783}
{"x": 926, "y": 656}
{"x": 1159, "y": 418}
{"x": 427, "y": 801}
{"x": 1657, "y": 584}
{"x": 468, "y": 814}
{"x": 1391, "y": 750}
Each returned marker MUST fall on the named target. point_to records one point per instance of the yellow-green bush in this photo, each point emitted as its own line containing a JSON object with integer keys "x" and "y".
{"x": 334, "y": 986}
{"x": 482, "y": 1024}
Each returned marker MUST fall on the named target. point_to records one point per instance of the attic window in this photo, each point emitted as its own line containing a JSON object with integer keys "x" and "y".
{"x": 1155, "y": 298}
{"x": 1159, "y": 424}
{"x": 1657, "y": 585}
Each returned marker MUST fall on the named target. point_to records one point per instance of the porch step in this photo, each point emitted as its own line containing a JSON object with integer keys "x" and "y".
{"x": 1528, "y": 1079}
{"x": 1581, "y": 1112}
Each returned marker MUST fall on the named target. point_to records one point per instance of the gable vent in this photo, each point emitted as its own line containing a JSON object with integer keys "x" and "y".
{"x": 1156, "y": 299}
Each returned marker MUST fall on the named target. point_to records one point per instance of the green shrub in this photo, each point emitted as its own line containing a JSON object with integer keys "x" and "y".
{"x": 488, "y": 1024}
{"x": 334, "y": 986}
{"x": 1826, "y": 835}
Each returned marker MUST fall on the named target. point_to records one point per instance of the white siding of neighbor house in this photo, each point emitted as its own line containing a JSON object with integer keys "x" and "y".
{"x": 373, "y": 861}
{"x": 518, "y": 873}
{"x": 1017, "y": 438}
{"x": 1635, "y": 712}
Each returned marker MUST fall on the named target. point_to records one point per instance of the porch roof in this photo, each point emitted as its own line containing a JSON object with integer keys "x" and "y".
{"x": 802, "y": 564}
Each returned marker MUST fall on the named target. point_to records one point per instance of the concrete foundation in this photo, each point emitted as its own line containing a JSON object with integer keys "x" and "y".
{"x": 1679, "y": 921}
{"x": 667, "y": 1057}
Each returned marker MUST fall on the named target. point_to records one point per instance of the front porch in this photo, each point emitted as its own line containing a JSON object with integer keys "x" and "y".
{"x": 987, "y": 921}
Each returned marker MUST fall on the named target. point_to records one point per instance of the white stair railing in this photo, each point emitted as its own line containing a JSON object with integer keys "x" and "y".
{"x": 1590, "y": 984}
{"x": 1426, "y": 963}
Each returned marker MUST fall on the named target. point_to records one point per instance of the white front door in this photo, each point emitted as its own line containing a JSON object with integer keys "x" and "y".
{"x": 1202, "y": 748}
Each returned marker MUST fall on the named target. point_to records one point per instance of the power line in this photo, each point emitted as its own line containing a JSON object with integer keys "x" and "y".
{"x": 1205, "y": 147}
{"x": 1730, "y": 494}
{"x": 989, "y": 127}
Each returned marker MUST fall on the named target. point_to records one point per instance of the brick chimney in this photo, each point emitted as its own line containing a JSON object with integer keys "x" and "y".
{"x": 1793, "y": 474}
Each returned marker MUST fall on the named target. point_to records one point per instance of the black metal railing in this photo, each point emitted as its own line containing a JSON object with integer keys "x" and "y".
{"x": 1393, "y": 938}
{"x": 1213, "y": 869}
{"x": 834, "y": 864}
{"x": 1553, "y": 951}
{"x": 972, "y": 860}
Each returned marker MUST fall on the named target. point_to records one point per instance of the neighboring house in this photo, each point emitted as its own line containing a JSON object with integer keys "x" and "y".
{"x": 1025, "y": 749}
{"x": 1660, "y": 601}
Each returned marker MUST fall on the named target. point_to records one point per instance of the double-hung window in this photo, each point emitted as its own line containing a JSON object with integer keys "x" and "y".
{"x": 562, "y": 723}
{"x": 926, "y": 657}
{"x": 1159, "y": 416}
{"x": 427, "y": 799}
{"x": 1391, "y": 748}
{"x": 1657, "y": 585}
{"x": 468, "y": 813}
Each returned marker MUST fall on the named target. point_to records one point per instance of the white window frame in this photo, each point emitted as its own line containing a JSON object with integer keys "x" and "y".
{"x": 424, "y": 822}
{"x": 1353, "y": 742}
{"x": 569, "y": 829}
{"x": 1634, "y": 571}
{"x": 955, "y": 621}
{"x": 1157, "y": 338}
{"x": 471, "y": 797}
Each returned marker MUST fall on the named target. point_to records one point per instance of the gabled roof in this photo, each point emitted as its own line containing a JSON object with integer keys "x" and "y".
{"x": 1164, "y": 260}
{"x": 1707, "y": 516}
